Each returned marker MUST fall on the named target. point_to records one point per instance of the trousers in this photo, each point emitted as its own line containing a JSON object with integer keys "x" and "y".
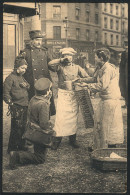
{"x": 38, "y": 157}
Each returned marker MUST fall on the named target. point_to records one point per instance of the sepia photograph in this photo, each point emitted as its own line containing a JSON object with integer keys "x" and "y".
{"x": 65, "y": 97}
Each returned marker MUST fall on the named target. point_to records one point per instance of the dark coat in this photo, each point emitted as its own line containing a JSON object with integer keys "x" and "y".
{"x": 38, "y": 111}
{"x": 12, "y": 90}
{"x": 37, "y": 60}
{"x": 123, "y": 77}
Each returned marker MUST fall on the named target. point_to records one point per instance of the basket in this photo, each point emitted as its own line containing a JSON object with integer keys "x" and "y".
{"x": 100, "y": 159}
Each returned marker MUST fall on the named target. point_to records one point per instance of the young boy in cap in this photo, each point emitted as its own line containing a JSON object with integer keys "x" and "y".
{"x": 15, "y": 94}
{"x": 67, "y": 106}
{"x": 38, "y": 116}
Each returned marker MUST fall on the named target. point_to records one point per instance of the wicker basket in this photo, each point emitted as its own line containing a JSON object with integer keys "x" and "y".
{"x": 100, "y": 159}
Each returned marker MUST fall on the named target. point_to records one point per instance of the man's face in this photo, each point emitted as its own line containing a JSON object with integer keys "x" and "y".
{"x": 69, "y": 57}
{"x": 98, "y": 60}
{"x": 37, "y": 42}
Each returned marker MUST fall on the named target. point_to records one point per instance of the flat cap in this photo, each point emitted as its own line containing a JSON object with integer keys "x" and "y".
{"x": 19, "y": 61}
{"x": 42, "y": 84}
{"x": 68, "y": 49}
{"x": 68, "y": 53}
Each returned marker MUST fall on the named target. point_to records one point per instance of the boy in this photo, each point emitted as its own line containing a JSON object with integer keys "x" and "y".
{"x": 15, "y": 94}
{"x": 38, "y": 118}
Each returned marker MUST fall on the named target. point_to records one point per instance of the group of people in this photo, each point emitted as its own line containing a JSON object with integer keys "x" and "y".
{"x": 28, "y": 92}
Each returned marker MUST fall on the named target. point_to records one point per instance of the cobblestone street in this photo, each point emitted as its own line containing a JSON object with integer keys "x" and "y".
{"x": 65, "y": 170}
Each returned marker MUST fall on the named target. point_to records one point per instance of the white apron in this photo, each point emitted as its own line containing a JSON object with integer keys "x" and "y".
{"x": 66, "y": 113}
{"x": 108, "y": 127}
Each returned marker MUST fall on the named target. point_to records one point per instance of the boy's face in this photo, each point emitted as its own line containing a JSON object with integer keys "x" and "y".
{"x": 22, "y": 69}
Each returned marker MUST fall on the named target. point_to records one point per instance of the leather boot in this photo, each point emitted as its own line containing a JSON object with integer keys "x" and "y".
{"x": 56, "y": 143}
{"x": 72, "y": 141}
{"x": 111, "y": 145}
{"x": 13, "y": 160}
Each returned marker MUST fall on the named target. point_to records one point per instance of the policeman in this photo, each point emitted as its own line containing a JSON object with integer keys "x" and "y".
{"x": 37, "y": 58}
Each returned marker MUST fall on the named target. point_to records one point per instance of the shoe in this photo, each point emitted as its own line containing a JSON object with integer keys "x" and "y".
{"x": 75, "y": 145}
{"x": 124, "y": 106}
{"x": 13, "y": 160}
{"x": 111, "y": 145}
{"x": 55, "y": 145}
{"x": 23, "y": 148}
{"x": 90, "y": 149}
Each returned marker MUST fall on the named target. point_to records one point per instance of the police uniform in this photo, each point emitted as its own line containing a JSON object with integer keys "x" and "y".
{"x": 37, "y": 59}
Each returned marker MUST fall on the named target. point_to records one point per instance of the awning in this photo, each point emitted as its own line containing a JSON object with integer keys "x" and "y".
{"x": 25, "y": 9}
{"x": 118, "y": 49}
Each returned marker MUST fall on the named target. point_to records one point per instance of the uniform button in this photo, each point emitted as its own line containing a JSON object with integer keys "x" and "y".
{"x": 32, "y": 59}
{"x": 42, "y": 69}
{"x": 32, "y": 49}
{"x": 35, "y": 79}
{"x": 42, "y": 59}
{"x": 34, "y": 69}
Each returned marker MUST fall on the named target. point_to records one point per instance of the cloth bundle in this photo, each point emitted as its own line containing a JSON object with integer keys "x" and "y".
{"x": 85, "y": 104}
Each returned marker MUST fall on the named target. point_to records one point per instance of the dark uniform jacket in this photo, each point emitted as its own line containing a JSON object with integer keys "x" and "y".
{"x": 12, "y": 90}
{"x": 37, "y": 59}
{"x": 38, "y": 111}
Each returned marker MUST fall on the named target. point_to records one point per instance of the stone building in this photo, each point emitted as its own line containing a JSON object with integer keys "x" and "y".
{"x": 114, "y": 27}
{"x": 75, "y": 25}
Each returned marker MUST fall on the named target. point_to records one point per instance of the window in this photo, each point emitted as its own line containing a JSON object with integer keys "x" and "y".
{"x": 96, "y": 18}
{"x": 96, "y": 36}
{"x": 111, "y": 23}
{"x": 117, "y": 10}
{"x": 96, "y": 5}
{"x": 105, "y": 38}
{"x": 87, "y": 16}
{"x": 56, "y": 12}
{"x": 111, "y": 8}
{"x": 111, "y": 39}
{"x": 57, "y": 32}
{"x": 123, "y": 27}
{"x": 77, "y": 11}
{"x": 105, "y": 22}
{"x": 123, "y": 11}
{"x": 117, "y": 25}
{"x": 77, "y": 33}
{"x": 87, "y": 34}
{"x": 105, "y": 7}
{"x": 117, "y": 40}
{"x": 21, "y": 36}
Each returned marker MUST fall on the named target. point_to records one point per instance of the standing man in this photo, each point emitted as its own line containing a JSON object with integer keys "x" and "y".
{"x": 37, "y": 58}
{"x": 123, "y": 70}
{"x": 67, "y": 106}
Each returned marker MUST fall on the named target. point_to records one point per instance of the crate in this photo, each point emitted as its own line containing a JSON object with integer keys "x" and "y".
{"x": 100, "y": 160}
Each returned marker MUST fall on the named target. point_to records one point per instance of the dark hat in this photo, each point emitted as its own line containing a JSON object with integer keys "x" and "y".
{"x": 42, "y": 84}
{"x": 36, "y": 34}
{"x": 20, "y": 61}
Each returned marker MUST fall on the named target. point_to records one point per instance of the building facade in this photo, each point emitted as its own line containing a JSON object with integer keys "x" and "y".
{"x": 76, "y": 25}
{"x": 13, "y": 31}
